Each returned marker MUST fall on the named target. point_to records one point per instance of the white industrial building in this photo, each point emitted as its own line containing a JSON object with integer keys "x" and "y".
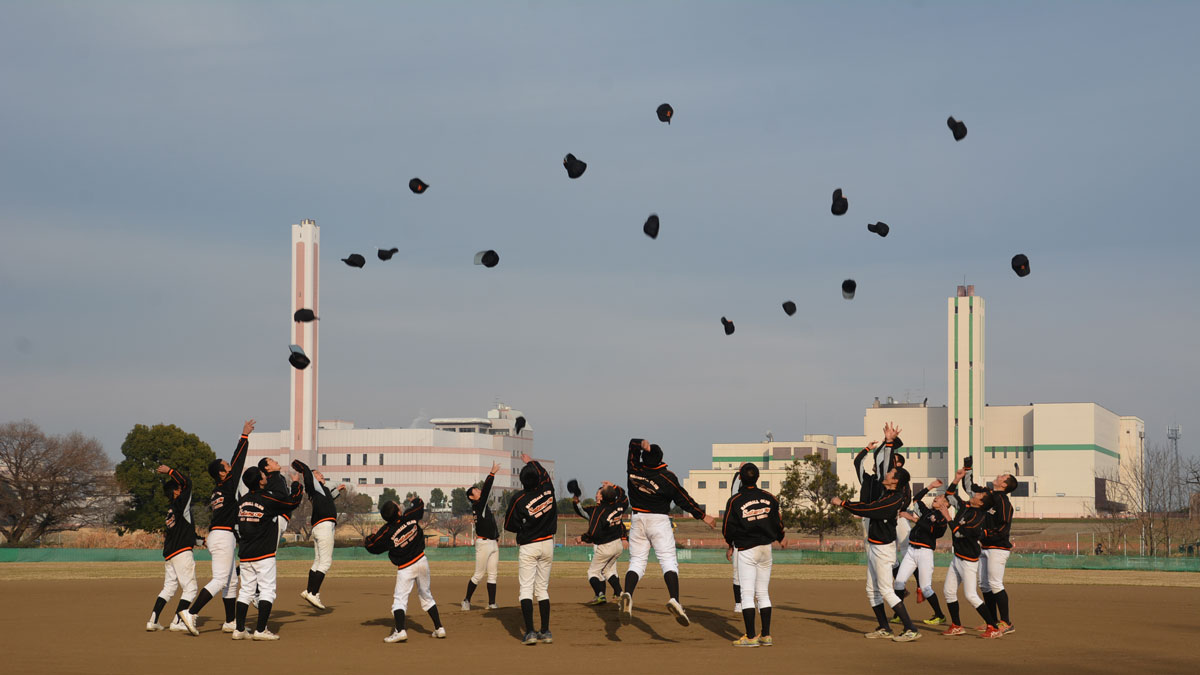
{"x": 711, "y": 487}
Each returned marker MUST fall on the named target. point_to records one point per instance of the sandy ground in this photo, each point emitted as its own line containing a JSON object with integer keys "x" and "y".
{"x": 89, "y": 618}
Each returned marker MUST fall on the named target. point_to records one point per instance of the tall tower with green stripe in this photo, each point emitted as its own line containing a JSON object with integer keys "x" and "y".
{"x": 965, "y": 377}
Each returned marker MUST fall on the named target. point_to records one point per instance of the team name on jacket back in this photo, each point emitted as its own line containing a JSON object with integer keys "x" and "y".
{"x": 604, "y": 520}
{"x": 752, "y": 518}
{"x": 652, "y": 489}
{"x": 223, "y": 500}
{"x": 533, "y": 515}
{"x": 181, "y": 532}
{"x": 929, "y": 527}
{"x": 258, "y": 535}
{"x": 404, "y": 540}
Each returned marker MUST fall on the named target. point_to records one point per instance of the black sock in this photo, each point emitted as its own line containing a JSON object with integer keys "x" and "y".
{"x": 182, "y": 606}
{"x": 901, "y": 612}
{"x": 264, "y": 613}
{"x": 527, "y": 614}
{"x": 544, "y": 612}
{"x": 597, "y": 586}
{"x": 986, "y": 613}
{"x": 318, "y": 579}
{"x": 901, "y": 594}
{"x": 615, "y": 583}
{"x": 491, "y": 594}
{"x": 1002, "y": 605}
{"x": 240, "y": 616}
{"x": 201, "y": 601}
{"x": 880, "y": 615}
{"x": 765, "y": 613}
{"x": 159, "y": 603}
{"x": 435, "y": 617}
{"x": 748, "y": 618}
{"x": 954, "y": 619}
{"x": 672, "y": 579}
{"x": 631, "y": 579}
{"x": 398, "y": 616}
{"x": 309, "y": 587}
{"x": 989, "y": 599}
{"x": 937, "y": 606}
{"x": 737, "y": 594}
{"x": 230, "y": 609}
{"x": 470, "y": 590}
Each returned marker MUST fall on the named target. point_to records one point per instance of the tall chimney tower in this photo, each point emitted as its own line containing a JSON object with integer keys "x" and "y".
{"x": 306, "y": 244}
{"x": 965, "y": 392}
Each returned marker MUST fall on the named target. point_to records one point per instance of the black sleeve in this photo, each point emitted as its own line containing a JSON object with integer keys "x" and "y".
{"x": 380, "y": 541}
{"x": 416, "y": 511}
{"x": 584, "y": 512}
{"x": 238, "y": 461}
{"x": 728, "y": 526}
{"x": 511, "y": 522}
{"x": 682, "y": 498}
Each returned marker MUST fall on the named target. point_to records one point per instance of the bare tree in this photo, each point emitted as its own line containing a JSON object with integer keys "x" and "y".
{"x": 805, "y": 494}
{"x": 457, "y": 526}
{"x": 1154, "y": 494}
{"x": 357, "y": 510}
{"x": 301, "y": 519}
{"x": 50, "y": 483}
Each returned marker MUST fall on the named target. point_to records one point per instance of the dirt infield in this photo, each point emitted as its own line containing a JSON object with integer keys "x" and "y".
{"x": 89, "y": 618}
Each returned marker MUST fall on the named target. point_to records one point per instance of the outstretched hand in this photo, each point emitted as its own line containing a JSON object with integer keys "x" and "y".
{"x": 163, "y": 468}
{"x": 526, "y": 458}
{"x": 937, "y": 483}
{"x": 890, "y": 432}
{"x": 247, "y": 427}
{"x": 495, "y": 467}
{"x": 836, "y": 501}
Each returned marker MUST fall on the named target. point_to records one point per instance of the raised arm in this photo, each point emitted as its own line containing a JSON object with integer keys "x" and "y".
{"x": 238, "y": 462}
{"x": 634, "y": 460}
{"x": 379, "y": 541}
{"x": 584, "y": 512}
{"x": 511, "y": 520}
{"x": 889, "y": 504}
{"x": 416, "y": 510}
{"x": 542, "y": 474}
{"x": 486, "y": 490}
{"x": 306, "y": 472}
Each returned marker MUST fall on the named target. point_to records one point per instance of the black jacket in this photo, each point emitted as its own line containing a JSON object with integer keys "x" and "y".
{"x": 485, "y": 520}
{"x": 998, "y": 523}
{"x": 258, "y": 534}
{"x": 653, "y": 488}
{"x": 403, "y": 539}
{"x": 181, "y": 533}
{"x": 752, "y": 518}
{"x": 323, "y": 508}
{"x": 967, "y": 526}
{"x": 881, "y": 514}
{"x": 604, "y": 520}
{"x": 223, "y": 500}
{"x": 929, "y": 527}
{"x": 533, "y": 515}
{"x": 882, "y": 461}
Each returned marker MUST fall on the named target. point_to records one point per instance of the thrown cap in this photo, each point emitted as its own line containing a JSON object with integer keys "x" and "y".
{"x": 304, "y": 315}
{"x": 1020, "y": 264}
{"x": 789, "y": 307}
{"x": 488, "y": 258}
{"x": 848, "y": 288}
{"x": 417, "y": 185}
{"x": 840, "y": 204}
{"x": 574, "y": 166}
{"x": 665, "y": 112}
{"x": 957, "y": 128}
{"x": 355, "y": 260}
{"x": 297, "y": 358}
{"x": 651, "y": 226}
{"x": 728, "y": 325}
{"x": 387, "y": 253}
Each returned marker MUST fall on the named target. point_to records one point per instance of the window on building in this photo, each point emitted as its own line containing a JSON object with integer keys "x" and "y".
{"x": 917, "y": 487}
{"x": 1022, "y": 489}
{"x": 362, "y": 480}
{"x": 722, "y": 485}
{"x": 766, "y": 485}
{"x": 379, "y": 481}
{"x": 381, "y": 459}
{"x": 364, "y": 459}
{"x": 700, "y": 485}
{"x": 721, "y": 513}
{"x": 346, "y": 480}
{"x": 347, "y": 459}
{"x": 323, "y": 461}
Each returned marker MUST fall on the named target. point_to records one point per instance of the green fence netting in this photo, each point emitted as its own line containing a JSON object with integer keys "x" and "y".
{"x": 584, "y": 554}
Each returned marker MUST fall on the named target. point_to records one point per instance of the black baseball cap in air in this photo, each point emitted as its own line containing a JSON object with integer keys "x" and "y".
{"x": 488, "y": 258}
{"x": 665, "y": 113}
{"x": 387, "y": 253}
{"x": 881, "y": 228}
{"x": 840, "y": 204}
{"x": 957, "y": 128}
{"x": 651, "y": 226}
{"x": 520, "y": 424}
{"x": 297, "y": 358}
{"x": 728, "y": 325}
{"x": 574, "y": 166}
{"x": 573, "y": 488}
{"x": 1020, "y": 264}
{"x": 417, "y": 186}
{"x": 355, "y": 260}
{"x": 789, "y": 307}
{"x": 848, "y": 288}
{"x": 304, "y": 315}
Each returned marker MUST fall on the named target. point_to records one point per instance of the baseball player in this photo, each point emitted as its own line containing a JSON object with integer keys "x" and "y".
{"x": 967, "y": 526}
{"x": 604, "y": 533}
{"x": 220, "y": 541}
{"x": 881, "y": 553}
{"x": 652, "y": 488}
{"x": 258, "y": 537}
{"x": 533, "y": 516}
{"x": 487, "y": 536}
{"x": 179, "y": 569}
{"x": 404, "y": 541}
{"x": 995, "y": 548}
{"x": 918, "y": 555}
{"x": 324, "y": 525}
{"x": 752, "y": 523}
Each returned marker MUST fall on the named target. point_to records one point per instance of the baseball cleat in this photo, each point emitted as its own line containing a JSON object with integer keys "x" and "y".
{"x": 879, "y": 633}
{"x": 737, "y": 608}
{"x": 264, "y": 635}
{"x": 313, "y": 599}
{"x": 895, "y": 619}
{"x": 991, "y": 633}
{"x": 531, "y": 638}
{"x": 935, "y": 621}
{"x": 228, "y": 626}
{"x": 1006, "y": 627}
{"x": 241, "y": 634}
{"x": 907, "y": 636}
{"x": 493, "y": 606}
{"x": 765, "y": 641}
{"x": 439, "y": 633}
{"x": 626, "y": 610}
{"x": 677, "y": 609}
{"x": 745, "y": 642}
{"x": 981, "y": 629}
{"x": 396, "y": 636}
{"x": 598, "y": 600}
{"x": 545, "y": 637}
{"x": 954, "y": 629}
{"x": 189, "y": 622}
{"x": 466, "y": 605}
{"x": 177, "y": 626}
{"x": 152, "y": 626}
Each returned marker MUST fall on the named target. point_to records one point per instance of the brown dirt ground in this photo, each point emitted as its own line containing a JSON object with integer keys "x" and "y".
{"x": 88, "y": 618}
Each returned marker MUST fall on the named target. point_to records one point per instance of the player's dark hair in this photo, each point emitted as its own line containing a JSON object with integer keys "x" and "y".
{"x": 902, "y": 477}
{"x": 1010, "y": 484}
{"x": 748, "y": 474}
{"x": 608, "y": 494}
{"x": 390, "y": 511}
{"x": 169, "y": 487}
{"x": 252, "y": 477}
{"x": 897, "y": 460}
{"x": 652, "y": 458}
{"x": 214, "y": 469}
{"x": 262, "y": 464}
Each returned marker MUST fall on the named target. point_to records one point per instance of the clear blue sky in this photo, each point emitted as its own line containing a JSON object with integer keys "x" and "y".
{"x": 154, "y": 155}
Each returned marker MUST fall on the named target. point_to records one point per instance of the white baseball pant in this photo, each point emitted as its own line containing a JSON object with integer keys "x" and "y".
{"x": 257, "y": 574}
{"x": 322, "y": 535}
{"x": 179, "y": 571}
{"x": 903, "y": 528}
{"x": 414, "y": 573}
{"x": 920, "y": 559}
{"x": 736, "y": 577}
{"x": 221, "y": 545}
{"x": 965, "y": 572}
{"x": 487, "y": 560}
{"x": 651, "y": 530}
{"x": 533, "y": 569}
{"x": 754, "y": 571}
{"x": 992, "y": 562}
{"x": 604, "y": 560}
{"x": 879, "y": 575}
